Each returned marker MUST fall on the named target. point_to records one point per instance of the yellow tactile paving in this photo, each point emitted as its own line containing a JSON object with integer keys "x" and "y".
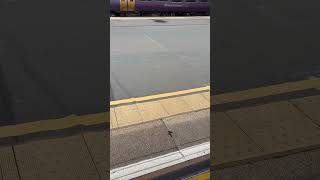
{"x": 176, "y": 105}
{"x": 196, "y": 101}
{"x": 143, "y": 109}
{"x": 113, "y": 119}
{"x": 151, "y": 110}
{"x": 128, "y": 115}
{"x": 206, "y": 95}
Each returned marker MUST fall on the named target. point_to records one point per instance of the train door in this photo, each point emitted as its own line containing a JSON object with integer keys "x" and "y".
{"x": 127, "y": 5}
{"x": 131, "y": 5}
{"x": 123, "y": 5}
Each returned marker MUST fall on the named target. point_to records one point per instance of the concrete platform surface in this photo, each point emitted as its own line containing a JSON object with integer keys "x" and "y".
{"x": 276, "y": 139}
{"x": 79, "y": 156}
{"x": 157, "y": 138}
{"x": 301, "y": 166}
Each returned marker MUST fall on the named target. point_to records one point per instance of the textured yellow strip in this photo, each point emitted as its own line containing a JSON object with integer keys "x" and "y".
{"x": 202, "y": 176}
{"x": 265, "y": 91}
{"x": 53, "y": 124}
{"x": 158, "y": 96}
{"x": 169, "y": 104}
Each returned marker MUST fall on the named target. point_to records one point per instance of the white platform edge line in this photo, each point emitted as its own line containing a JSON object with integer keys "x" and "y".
{"x": 169, "y": 154}
{"x": 154, "y": 164}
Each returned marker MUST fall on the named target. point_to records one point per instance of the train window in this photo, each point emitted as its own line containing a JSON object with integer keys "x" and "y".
{"x": 176, "y": 0}
{"x": 162, "y": 0}
{"x": 203, "y": 0}
{"x": 190, "y": 0}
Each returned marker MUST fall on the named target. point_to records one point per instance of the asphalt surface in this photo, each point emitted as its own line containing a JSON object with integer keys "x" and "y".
{"x": 263, "y": 43}
{"x": 158, "y": 56}
{"x": 52, "y": 64}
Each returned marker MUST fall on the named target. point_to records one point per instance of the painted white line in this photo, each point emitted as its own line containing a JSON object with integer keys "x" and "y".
{"x": 154, "y": 164}
{"x": 155, "y": 42}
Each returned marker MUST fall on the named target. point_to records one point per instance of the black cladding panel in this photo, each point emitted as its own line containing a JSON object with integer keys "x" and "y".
{"x": 57, "y": 59}
{"x": 263, "y": 42}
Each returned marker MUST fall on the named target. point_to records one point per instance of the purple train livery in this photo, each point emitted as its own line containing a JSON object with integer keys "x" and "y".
{"x": 141, "y": 7}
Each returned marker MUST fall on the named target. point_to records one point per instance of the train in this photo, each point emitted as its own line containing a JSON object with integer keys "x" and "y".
{"x": 161, "y": 7}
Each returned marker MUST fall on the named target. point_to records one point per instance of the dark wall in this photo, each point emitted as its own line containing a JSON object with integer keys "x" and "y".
{"x": 263, "y": 42}
{"x": 57, "y": 58}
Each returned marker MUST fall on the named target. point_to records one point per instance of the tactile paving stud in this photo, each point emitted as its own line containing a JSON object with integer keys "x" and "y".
{"x": 196, "y": 101}
{"x": 151, "y": 110}
{"x": 206, "y": 95}
{"x": 128, "y": 115}
{"x": 176, "y": 105}
{"x": 113, "y": 119}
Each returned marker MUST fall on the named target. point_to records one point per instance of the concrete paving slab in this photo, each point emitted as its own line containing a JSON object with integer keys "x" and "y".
{"x": 233, "y": 143}
{"x": 64, "y": 158}
{"x": 310, "y": 106}
{"x": 189, "y": 129}
{"x": 8, "y": 168}
{"x": 134, "y": 143}
{"x": 113, "y": 119}
{"x": 98, "y": 145}
{"x": 197, "y": 101}
{"x": 151, "y": 110}
{"x": 132, "y": 111}
{"x": 206, "y": 95}
{"x": 128, "y": 115}
{"x": 295, "y": 166}
{"x": 175, "y": 105}
{"x": 277, "y": 127}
